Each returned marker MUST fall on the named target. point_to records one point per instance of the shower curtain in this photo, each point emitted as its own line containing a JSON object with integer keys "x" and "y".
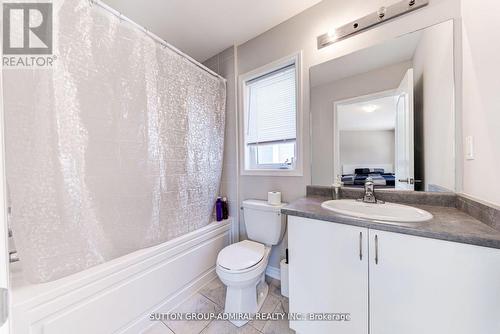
{"x": 117, "y": 147}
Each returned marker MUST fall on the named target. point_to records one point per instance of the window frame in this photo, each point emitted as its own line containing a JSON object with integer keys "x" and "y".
{"x": 295, "y": 58}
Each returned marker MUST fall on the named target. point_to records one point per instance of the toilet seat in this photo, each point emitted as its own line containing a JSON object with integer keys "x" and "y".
{"x": 241, "y": 256}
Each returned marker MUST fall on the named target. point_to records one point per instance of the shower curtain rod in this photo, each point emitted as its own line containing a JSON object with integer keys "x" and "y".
{"x": 154, "y": 37}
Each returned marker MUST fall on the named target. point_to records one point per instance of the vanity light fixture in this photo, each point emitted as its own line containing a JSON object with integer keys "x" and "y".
{"x": 384, "y": 14}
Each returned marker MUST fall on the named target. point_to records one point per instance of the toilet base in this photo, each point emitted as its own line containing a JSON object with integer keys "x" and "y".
{"x": 247, "y": 299}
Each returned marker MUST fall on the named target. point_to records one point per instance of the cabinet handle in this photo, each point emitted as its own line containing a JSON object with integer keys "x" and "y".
{"x": 376, "y": 249}
{"x": 360, "y": 246}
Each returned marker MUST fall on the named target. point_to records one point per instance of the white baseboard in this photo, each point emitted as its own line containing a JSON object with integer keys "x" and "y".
{"x": 273, "y": 272}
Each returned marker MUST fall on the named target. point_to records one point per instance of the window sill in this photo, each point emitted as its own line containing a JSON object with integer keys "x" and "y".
{"x": 270, "y": 172}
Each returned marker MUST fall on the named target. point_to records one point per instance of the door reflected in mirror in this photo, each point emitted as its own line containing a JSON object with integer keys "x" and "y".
{"x": 387, "y": 112}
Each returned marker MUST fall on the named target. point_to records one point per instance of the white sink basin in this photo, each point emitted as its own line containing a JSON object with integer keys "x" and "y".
{"x": 386, "y": 212}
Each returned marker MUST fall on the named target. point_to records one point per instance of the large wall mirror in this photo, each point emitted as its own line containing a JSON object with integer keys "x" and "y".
{"x": 387, "y": 112}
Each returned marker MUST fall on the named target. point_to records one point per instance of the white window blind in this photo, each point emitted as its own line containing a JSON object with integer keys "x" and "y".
{"x": 271, "y": 113}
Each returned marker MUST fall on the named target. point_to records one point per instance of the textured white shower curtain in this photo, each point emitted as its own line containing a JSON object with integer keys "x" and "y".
{"x": 116, "y": 148}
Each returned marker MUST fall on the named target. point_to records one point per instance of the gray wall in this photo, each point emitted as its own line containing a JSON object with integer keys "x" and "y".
{"x": 367, "y": 148}
{"x": 299, "y": 33}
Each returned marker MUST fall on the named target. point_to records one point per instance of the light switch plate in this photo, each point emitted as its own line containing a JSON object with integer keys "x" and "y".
{"x": 469, "y": 148}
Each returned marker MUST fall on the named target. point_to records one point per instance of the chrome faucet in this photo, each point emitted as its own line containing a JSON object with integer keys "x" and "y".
{"x": 369, "y": 196}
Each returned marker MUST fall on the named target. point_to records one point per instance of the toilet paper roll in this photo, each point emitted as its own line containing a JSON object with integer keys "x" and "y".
{"x": 274, "y": 198}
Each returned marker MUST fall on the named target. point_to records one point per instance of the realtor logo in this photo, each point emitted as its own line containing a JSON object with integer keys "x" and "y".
{"x": 27, "y": 30}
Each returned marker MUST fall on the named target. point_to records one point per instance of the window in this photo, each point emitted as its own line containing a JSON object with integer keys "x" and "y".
{"x": 270, "y": 116}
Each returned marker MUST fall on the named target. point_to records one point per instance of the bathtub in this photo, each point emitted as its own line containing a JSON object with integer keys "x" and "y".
{"x": 118, "y": 296}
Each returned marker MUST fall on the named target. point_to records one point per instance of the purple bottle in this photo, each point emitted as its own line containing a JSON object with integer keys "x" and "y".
{"x": 218, "y": 209}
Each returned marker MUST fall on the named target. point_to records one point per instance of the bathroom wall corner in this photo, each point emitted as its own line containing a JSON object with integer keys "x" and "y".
{"x": 224, "y": 63}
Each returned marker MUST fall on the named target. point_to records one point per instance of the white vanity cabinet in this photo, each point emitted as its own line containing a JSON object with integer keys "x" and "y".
{"x": 403, "y": 284}
{"x": 421, "y": 285}
{"x": 328, "y": 273}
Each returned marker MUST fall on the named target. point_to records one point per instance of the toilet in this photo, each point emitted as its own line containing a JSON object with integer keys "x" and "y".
{"x": 242, "y": 266}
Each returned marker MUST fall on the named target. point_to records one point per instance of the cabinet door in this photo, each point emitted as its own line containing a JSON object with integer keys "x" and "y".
{"x": 328, "y": 273}
{"x": 420, "y": 285}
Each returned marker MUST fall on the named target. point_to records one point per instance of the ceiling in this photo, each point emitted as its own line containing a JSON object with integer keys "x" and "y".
{"x": 355, "y": 117}
{"x": 391, "y": 52}
{"x": 202, "y": 28}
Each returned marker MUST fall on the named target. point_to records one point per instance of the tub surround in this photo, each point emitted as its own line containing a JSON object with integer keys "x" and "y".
{"x": 449, "y": 222}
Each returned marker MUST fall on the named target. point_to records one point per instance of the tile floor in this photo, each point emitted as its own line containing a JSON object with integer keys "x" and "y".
{"x": 211, "y": 299}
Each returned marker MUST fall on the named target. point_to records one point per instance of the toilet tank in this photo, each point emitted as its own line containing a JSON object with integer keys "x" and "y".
{"x": 264, "y": 222}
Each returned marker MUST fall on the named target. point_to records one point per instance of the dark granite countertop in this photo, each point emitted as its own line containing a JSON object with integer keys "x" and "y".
{"x": 448, "y": 223}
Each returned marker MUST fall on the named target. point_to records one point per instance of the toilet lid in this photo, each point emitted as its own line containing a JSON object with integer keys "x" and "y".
{"x": 241, "y": 255}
